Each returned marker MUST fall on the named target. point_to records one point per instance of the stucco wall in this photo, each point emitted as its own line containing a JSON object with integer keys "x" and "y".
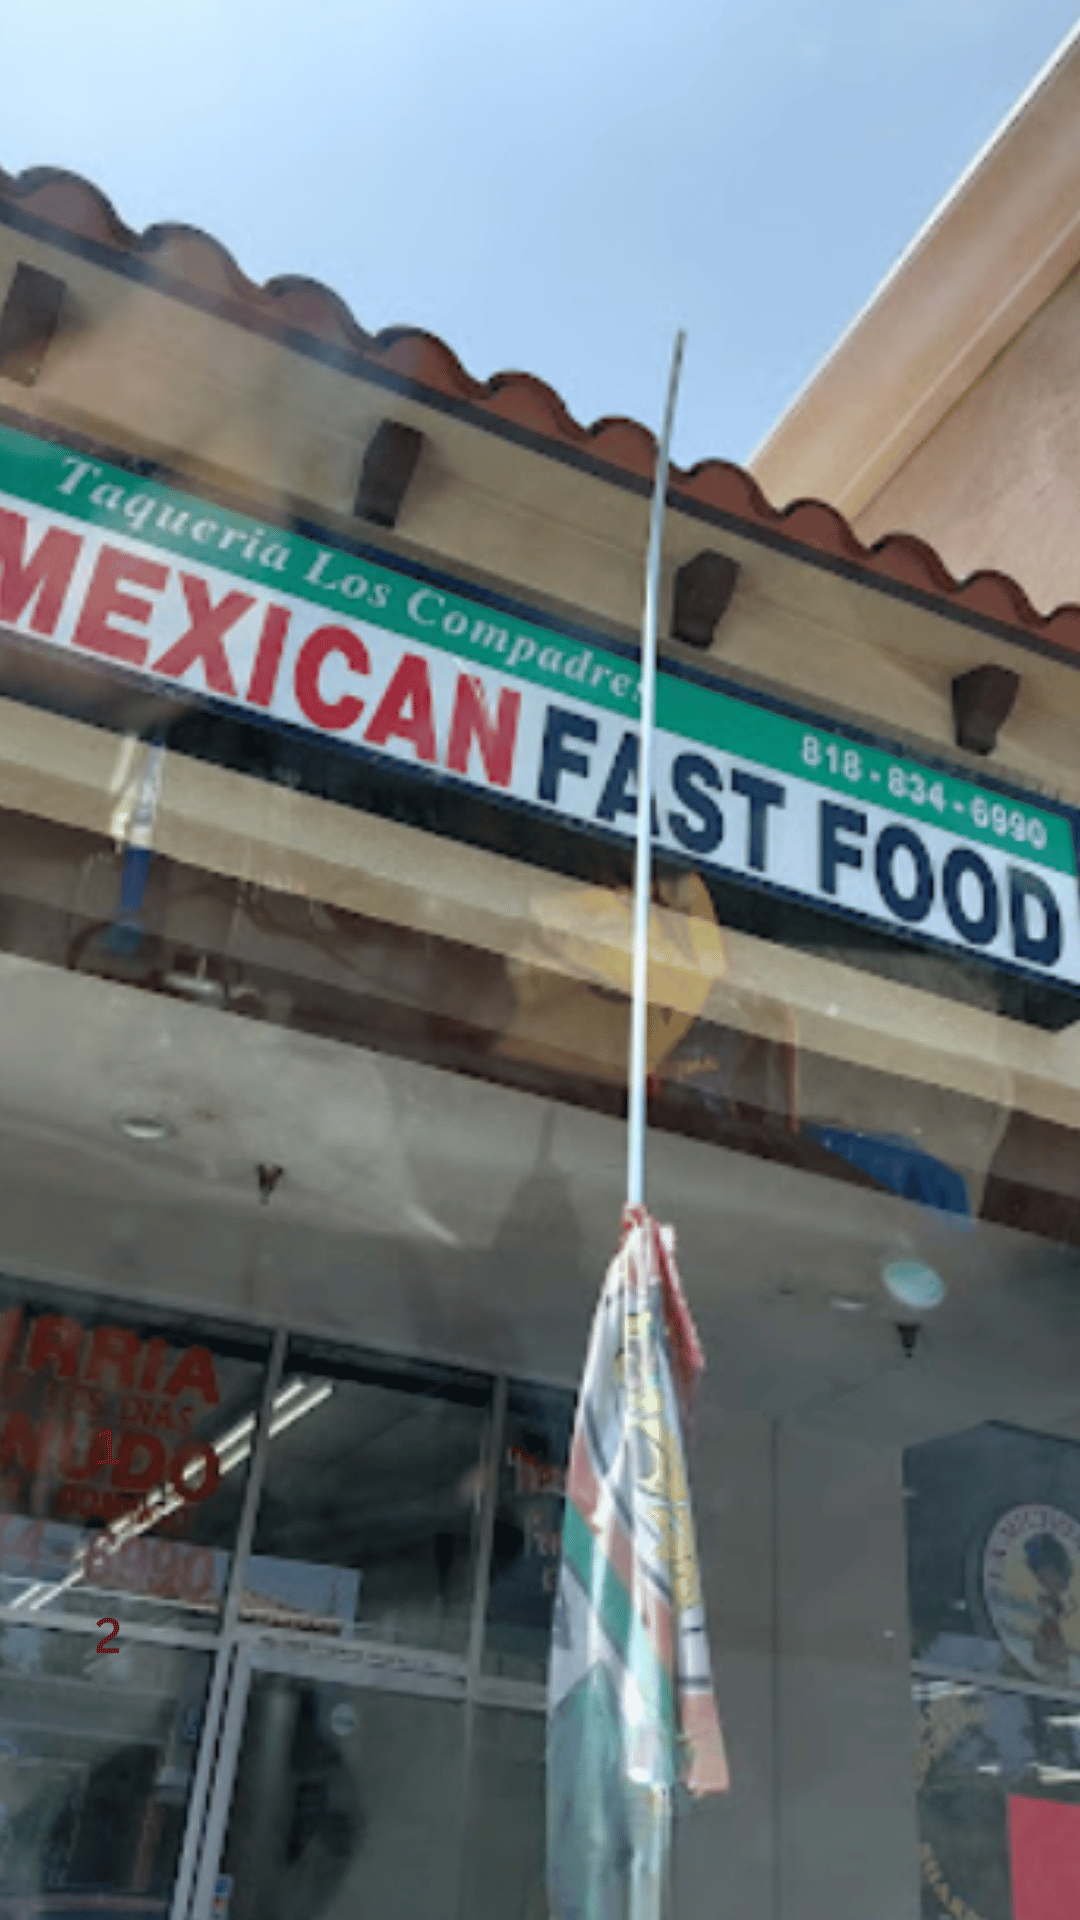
{"x": 997, "y": 484}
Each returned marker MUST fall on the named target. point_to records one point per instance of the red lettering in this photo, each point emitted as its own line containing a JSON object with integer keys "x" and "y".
{"x": 57, "y": 1339}
{"x": 405, "y": 710}
{"x": 203, "y": 641}
{"x": 194, "y": 1369}
{"x": 20, "y": 1443}
{"x": 117, "y": 1348}
{"x": 46, "y": 575}
{"x": 495, "y": 738}
{"x": 131, "y": 1478}
{"x": 264, "y": 673}
{"x": 332, "y": 715}
{"x": 185, "y": 1483}
{"x": 104, "y": 597}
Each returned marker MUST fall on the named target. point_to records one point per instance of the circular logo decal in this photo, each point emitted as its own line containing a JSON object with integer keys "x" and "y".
{"x": 343, "y": 1719}
{"x": 1031, "y": 1585}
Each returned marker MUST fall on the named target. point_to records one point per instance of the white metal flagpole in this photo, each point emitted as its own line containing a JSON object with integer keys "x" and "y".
{"x": 639, "y": 1007}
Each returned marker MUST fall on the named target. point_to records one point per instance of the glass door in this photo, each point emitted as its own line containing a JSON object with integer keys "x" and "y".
{"x": 340, "y": 1788}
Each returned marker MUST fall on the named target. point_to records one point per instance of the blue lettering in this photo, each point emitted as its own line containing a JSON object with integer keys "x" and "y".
{"x": 555, "y": 759}
{"x": 762, "y": 794}
{"x": 620, "y": 787}
{"x": 1042, "y": 949}
{"x": 620, "y": 793}
{"x": 691, "y": 772}
{"x": 980, "y": 932}
{"x": 834, "y": 853}
{"x": 906, "y": 906}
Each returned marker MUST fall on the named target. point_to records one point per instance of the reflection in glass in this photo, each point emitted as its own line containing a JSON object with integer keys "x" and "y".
{"x": 96, "y": 1759}
{"x": 993, "y": 1521}
{"x": 527, "y": 1538}
{"x": 123, "y": 1458}
{"x": 504, "y": 1836}
{"x": 369, "y": 1511}
{"x": 347, "y": 1801}
{"x": 998, "y": 1773}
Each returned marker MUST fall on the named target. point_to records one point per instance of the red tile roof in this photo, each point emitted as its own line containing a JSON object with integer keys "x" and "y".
{"x": 190, "y": 263}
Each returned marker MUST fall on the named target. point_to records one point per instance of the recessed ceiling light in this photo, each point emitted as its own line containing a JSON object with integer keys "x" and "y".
{"x": 145, "y": 1126}
{"x": 913, "y": 1284}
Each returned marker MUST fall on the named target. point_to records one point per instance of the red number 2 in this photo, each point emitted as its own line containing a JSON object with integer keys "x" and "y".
{"x": 103, "y": 1645}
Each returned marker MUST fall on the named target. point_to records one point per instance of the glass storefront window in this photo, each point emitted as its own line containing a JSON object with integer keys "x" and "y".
{"x": 993, "y": 1547}
{"x": 503, "y": 1873}
{"x": 368, "y": 1516}
{"x": 993, "y": 1531}
{"x": 125, "y": 1442}
{"x": 347, "y": 1800}
{"x": 998, "y": 1776}
{"x": 315, "y": 949}
{"x": 97, "y": 1754}
{"x": 527, "y": 1535}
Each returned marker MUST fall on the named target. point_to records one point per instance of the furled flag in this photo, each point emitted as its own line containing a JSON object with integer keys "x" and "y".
{"x": 631, "y": 1712}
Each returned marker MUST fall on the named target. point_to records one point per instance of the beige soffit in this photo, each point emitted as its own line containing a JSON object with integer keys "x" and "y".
{"x": 998, "y": 246}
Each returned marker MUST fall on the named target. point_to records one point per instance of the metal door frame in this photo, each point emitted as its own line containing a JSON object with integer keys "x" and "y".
{"x": 203, "y": 1782}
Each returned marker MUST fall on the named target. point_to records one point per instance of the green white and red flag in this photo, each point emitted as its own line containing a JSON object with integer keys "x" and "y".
{"x": 631, "y": 1710}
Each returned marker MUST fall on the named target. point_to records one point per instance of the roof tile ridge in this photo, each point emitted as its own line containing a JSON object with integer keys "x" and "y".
{"x": 311, "y": 306}
{"x": 1062, "y": 627}
{"x": 424, "y": 359}
{"x": 908, "y": 557}
{"x": 723, "y": 484}
{"x": 988, "y": 591}
{"x": 904, "y": 557}
{"x": 195, "y": 257}
{"x": 69, "y": 200}
{"x": 190, "y": 255}
{"x": 989, "y": 584}
{"x": 816, "y": 523}
{"x": 523, "y": 399}
{"x": 183, "y": 252}
{"x": 717, "y": 482}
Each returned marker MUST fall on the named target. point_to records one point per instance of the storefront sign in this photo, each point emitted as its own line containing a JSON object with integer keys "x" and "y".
{"x": 111, "y": 567}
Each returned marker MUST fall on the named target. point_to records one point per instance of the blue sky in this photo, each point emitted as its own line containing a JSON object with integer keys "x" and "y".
{"x": 553, "y": 187}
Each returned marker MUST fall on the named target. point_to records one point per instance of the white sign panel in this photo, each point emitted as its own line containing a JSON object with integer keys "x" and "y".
{"x": 295, "y": 630}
